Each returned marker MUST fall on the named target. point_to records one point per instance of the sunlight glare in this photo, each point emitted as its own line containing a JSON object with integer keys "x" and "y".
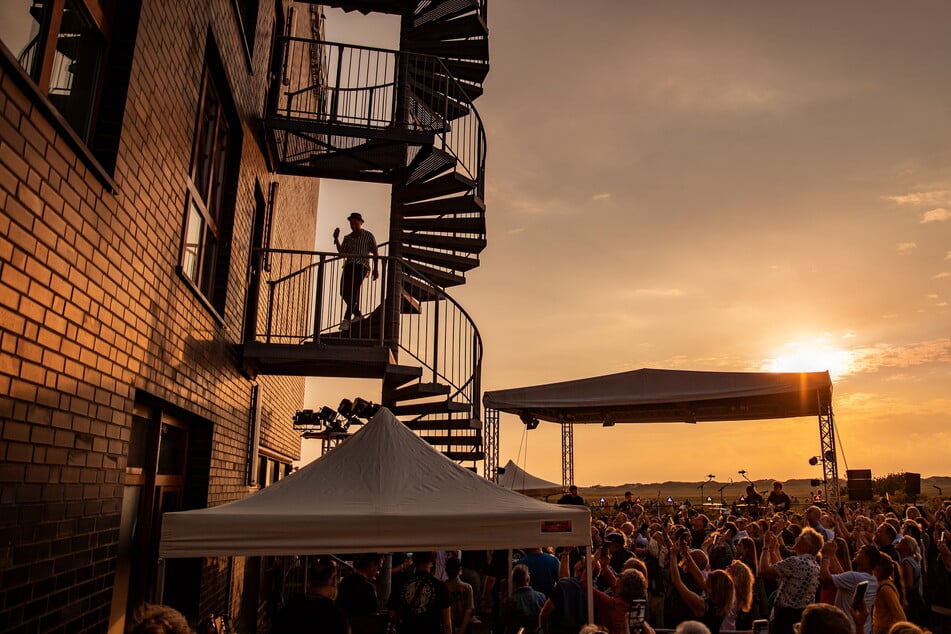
{"x": 814, "y": 356}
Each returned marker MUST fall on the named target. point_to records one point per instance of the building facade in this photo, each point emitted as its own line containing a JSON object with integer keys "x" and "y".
{"x": 134, "y": 186}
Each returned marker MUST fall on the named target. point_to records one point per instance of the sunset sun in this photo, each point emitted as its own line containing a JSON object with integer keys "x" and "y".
{"x": 811, "y": 356}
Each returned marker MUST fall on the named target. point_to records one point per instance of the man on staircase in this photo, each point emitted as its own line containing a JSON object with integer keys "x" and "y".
{"x": 356, "y": 245}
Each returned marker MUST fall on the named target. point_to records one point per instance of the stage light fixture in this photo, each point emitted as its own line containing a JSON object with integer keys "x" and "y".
{"x": 608, "y": 420}
{"x": 530, "y": 421}
{"x": 363, "y": 408}
{"x": 345, "y": 408}
{"x": 814, "y": 461}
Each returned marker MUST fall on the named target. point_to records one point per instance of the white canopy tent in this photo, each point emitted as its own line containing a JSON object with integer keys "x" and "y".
{"x": 383, "y": 489}
{"x": 517, "y": 479}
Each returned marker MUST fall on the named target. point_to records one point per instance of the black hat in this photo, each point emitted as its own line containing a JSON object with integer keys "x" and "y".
{"x": 355, "y": 216}
{"x": 627, "y": 493}
{"x": 617, "y": 538}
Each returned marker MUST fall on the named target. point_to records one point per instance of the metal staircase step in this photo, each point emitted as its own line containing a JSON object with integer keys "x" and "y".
{"x": 476, "y": 50}
{"x": 429, "y": 162}
{"x": 444, "y": 10}
{"x": 438, "y": 104}
{"x": 449, "y": 224}
{"x": 439, "y": 258}
{"x": 425, "y": 409}
{"x": 471, "y": 25}
{"x": 453, "y": 441}
{"x": 451, "y": 243}
{"x": 420, "y": 291}
{"x": 468, "y": 71}
{"x": 436, "y": 425}
{"x": 443, "y": 279}
{"x": 469, "y": 203}
{"x": 445, "y": 185}
{"x": 465, "y": 456}
{"x": 416, "y": 391}
{"x": 395, "y": 375}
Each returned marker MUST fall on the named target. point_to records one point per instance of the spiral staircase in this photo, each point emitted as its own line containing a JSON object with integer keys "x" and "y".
{"x": 405, "y": 118}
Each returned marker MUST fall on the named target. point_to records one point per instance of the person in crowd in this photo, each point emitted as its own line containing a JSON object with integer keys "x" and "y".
{"x": 939, "y": 576}
{"x": 905, "y": 627}
{"x": 812, "y": 517}
{"x": 421, "y": 604}
{"x": 912, "y": 580}
{"x": 741, "y": 612}
{"x": 821, "y": 618}
{"x": 150, "y": 618}
{"x": 495, "y": 589}
{"x": 566, "y": 608}
{"x": 845, "y": 581}
{"x": 712, "y": 605}
{"x": 778, "y": 498}
{"x": 543, "y": 568}
{"x": 460, "y": 593}
{"x": 885, "y": 537}
{"x": 356, "y": 245}
{"x": 617, "y": 550}
{"x": 315, "y": 610}
{"x": 700, "y": 529}
{"x": 798, "y": 577}
{"x": 611, "y": 610}
{"x": 572, "y": 497}
{"x": 523, "y": 605}
{"x": 691, "y": 627}
{"x": 356, "y": 593}
{"x": 887, "y": 607}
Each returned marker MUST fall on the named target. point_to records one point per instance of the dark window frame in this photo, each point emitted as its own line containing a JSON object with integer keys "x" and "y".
{"x": 211, "y": 189}
{"x": 246, "y": 13}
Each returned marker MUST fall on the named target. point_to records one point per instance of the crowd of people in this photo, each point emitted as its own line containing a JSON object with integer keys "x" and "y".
{"x": 768, "y": 568}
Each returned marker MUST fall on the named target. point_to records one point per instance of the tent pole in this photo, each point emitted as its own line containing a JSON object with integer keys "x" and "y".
{"x": 588, "y": 572}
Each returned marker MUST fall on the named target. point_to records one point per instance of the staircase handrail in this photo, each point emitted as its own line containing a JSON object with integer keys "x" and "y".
{"x": 464, "y": 140}
{"x": 312, "y": 265}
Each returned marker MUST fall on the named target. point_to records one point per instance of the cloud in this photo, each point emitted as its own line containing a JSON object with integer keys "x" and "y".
{"x": 936, "y": 215}
{"x": 515, "y": 231}
{"x": 922, "y": 198}
{"x": 947, "y": 256}
{"x": 915, "y": 354}
{"x": 600, "y": 196}
{"x": 905, "y": 248}
{"x": 941, "y": 275}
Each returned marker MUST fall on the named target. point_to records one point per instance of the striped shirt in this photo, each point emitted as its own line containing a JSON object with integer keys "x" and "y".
{"x": 358, "y": 244}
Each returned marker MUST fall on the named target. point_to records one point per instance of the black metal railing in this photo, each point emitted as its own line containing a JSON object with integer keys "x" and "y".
{"x": 362, "y": 91}
{"x": 295, "y": 298}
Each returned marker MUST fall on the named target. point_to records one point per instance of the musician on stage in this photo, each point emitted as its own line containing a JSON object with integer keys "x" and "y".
{"x": 754, "y": 501}
{"x": 778, "y": 498}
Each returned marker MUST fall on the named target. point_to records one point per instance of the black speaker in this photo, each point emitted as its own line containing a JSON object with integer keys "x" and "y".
{"x": 912, "y": 484}
{"x": 859, "y": 485}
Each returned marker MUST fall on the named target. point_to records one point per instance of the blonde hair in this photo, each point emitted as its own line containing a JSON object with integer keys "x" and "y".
{"x": 742, "y": 584}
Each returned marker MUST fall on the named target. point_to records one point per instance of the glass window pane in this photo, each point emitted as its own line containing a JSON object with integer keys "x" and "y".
{"x": 76, "y": 67}
{"x": 209, "y": 264}
{"x": 172, "y": 450}
{"x": 20, "y": 30}
{"x": 194, "y": 228}
{"x": 138, "y": 442}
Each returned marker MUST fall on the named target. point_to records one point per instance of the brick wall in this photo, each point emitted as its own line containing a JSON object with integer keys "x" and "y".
{"x": 92, "y": 311}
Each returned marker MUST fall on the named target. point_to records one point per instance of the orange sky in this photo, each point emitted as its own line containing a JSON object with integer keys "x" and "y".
{"x": 711, "y": 186}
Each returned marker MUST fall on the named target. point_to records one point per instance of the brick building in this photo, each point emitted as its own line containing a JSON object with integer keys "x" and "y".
{"x": 161, "y": 296}
{"x": 134, "y": 183}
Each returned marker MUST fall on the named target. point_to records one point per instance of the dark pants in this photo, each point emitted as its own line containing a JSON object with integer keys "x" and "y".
{"x": 350, "y": 284}
{"x": 783, "y": 619}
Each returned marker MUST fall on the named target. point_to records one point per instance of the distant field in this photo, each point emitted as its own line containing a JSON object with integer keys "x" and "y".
{"x": 680, "y": 491}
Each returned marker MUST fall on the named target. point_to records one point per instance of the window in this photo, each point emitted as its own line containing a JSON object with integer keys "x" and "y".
{"x": 61, "y": 44}
{"x": 210, "y": 200}
{"x": 67, "y": 49}
{"x": 247, "y": 13}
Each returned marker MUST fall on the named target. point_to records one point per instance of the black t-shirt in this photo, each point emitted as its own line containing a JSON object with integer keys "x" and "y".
{"x": 357, "y": 595}
{"x": 306, "y": 613}
{"x": 420, "y": 601}
{"x": 780, "y": 501}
